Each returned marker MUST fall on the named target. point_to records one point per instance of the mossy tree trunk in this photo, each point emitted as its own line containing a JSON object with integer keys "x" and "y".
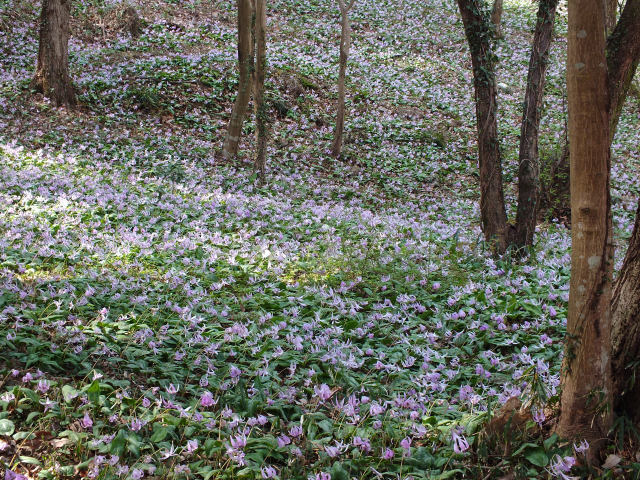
{"x": 493, "y": 215}
{"x": 52, "y": 70}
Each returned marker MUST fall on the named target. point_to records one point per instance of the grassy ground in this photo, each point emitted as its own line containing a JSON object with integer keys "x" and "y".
{"x": 162, "y": 315}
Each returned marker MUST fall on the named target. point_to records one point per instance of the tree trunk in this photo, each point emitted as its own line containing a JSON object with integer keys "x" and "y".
{"x": 625, "y": 333}
{"x": 492, "y": 210}
{"x": 623, "y": 55}
{"x": 245, "y": 62}
{"x": 496, "y": 17}
{"x": 52, "y": 71}
{"x": 586, "y": 381}
{"x": 529, "y": 165}
{"x": 345, "y": 43}
{"x": 261, "y": 106}
{"x": 611, "y": 15}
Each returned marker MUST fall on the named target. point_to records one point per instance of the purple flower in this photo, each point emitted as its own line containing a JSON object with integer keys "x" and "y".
{"x": 283, "y": 441}
{"x": 86, "y": 421}
{"x": 583, "y": 447}
{"x": 460, "y": 444}
{"x": 192, "y": 446}
{"x": 387, "y": 454}
{"x": 234, "y": 372}
{"x": 206, "y": 400}
{"x": 137, "y": 474}
{"x": 538, "y": 415}
{"x": 11, "y": 475}
{"x": 322, "y": 476}
{"x": 43, "y": 386}
{"x": 136, "y": 425}
{"x": 172, "y": 389}
{"x": 295, "y": 431}
{"x": 362, "y": 443}
{"x": 560, "y": 466}
{"x": 322, "y": 391}
{"x": 269, "y": 472}
{"x": 406, "y": 445}
{"x": 239, "y": 442}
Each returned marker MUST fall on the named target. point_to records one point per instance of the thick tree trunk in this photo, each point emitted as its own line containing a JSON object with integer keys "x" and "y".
{"x": 52, "y": 71}
{"x": 529, "y": 165}
{"x": 623, "y": 54}
{"x": 586, "y": 381}
{"x": 492, "y": 209}
{"x": 496, "y": 17}
{"x": 623, "y": 50}
{"x": 245, "y": 62}
{"x": 625, "y": 333}
{"x": 261, "y": 106}
{"x": 345, "y": 43}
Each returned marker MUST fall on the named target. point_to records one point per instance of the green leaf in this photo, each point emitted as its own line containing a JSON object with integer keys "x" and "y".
{"x": 6, "y": 427}
{"x": 29, "y": 460}
{"x": 537, "y": 456}
{"x": 549, "y": 442}
{"x": 160, "y": 432}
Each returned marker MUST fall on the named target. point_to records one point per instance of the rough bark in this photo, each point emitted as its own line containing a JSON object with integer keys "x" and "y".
{"x": 586, "y": 379}
{"x": 345, "y": 44}
{"x": 245, "y": 61}
{"x": 496, "y": 17}
{"x": 52, "y": 70}
{"x": 625, "y": 333}
{"x": 529, "y": 165}
{"x": 261, "y": 106}
{"x": 492, "y": 210}
{"x": 623, "y": 49}
{"x": 623, "y": 55}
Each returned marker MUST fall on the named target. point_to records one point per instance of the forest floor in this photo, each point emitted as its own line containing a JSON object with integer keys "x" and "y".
{"x": 162, "y": 315}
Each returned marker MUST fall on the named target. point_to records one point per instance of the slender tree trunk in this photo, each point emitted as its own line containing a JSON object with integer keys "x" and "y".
{"x": 245, "y": 62}
{"x": 345, "y": 44}
{"x": 492, "y": 210}
{"x": 623, "y": 55}
{"x": 587, "y": 391}
{"x": 261, "y": 107}
{"x": 529, "y": 165}
{"x": 52, "y": 71}
{"x": 496, "y": 17}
